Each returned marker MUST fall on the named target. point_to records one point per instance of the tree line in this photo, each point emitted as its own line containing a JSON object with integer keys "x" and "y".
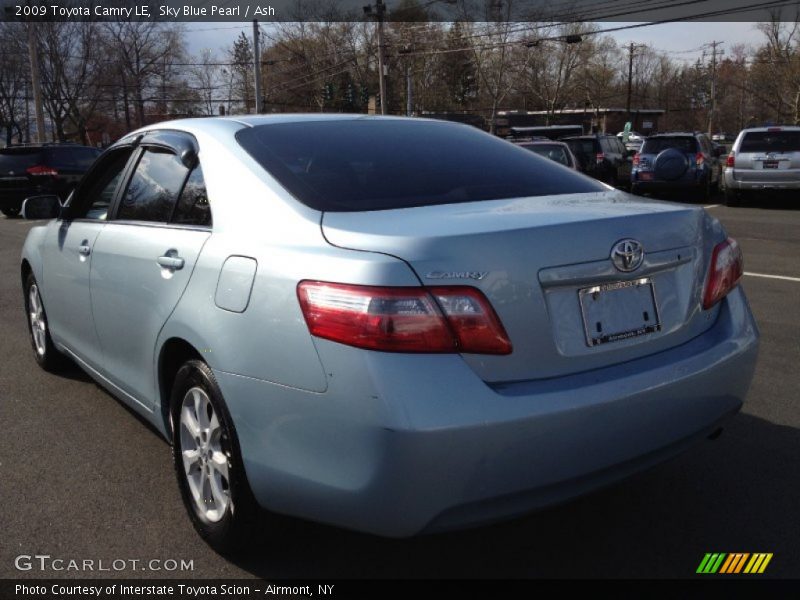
{"x": 101, "y": 80}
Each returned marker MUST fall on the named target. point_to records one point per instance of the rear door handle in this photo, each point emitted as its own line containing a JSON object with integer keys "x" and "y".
{"x": 84, "y": 250}
{"x": 170, "y": 261}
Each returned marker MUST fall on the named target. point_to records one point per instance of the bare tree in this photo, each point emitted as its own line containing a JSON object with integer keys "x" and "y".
{"x": 207, "y": 74}
{"x": 146, "y": 52}
{"x": 13, "y": 80}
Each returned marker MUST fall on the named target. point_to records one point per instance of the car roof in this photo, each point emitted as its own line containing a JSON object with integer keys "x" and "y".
{"x": 541, "y": 143}
{"x": 772, "y": 128}
{"x": 590, "y": 136}
{"x": 231, "y": 124}
{"x": 675, "y": 134}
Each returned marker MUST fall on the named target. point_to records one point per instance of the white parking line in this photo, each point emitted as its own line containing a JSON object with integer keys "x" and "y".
{"x": 712, "y": 206}
{"x": 783, "y": 277}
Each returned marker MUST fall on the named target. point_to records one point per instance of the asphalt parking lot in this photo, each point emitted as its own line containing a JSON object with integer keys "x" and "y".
{"x": 81, "y": 477}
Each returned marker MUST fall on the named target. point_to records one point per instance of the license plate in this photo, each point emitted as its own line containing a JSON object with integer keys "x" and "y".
{"x": 770, "y": 164}
{"x": 645, "y": 176}
{"x": 618, "y": 311}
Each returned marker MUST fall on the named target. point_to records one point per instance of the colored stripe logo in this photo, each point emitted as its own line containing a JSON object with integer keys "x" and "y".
{"x": 734, "y": 563}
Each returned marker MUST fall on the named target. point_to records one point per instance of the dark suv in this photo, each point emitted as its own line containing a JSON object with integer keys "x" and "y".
{"x": 603, "y": 157}
{"x": 32, "y": 170}
{"x": 671, "y": 162}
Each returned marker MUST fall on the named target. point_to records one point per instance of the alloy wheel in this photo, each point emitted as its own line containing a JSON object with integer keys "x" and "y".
{"x": 205, "y": 463}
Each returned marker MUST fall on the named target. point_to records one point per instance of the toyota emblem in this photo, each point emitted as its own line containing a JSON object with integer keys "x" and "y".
{"x": 627, "y": 255}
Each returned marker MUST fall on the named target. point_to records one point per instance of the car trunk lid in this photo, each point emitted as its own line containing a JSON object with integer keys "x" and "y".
{"x": 534, "y": 259}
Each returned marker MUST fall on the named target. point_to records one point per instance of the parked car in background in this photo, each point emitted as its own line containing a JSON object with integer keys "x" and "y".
{"x": 36, "y": 169}
{"x": 634, "y": 141}
{"x": 555, "y": 151}
{"x": 603, "y": 157}
{"x": 677, "y": 162}
{"x": 762, "y": 159}
{"x": 418, "y": 336}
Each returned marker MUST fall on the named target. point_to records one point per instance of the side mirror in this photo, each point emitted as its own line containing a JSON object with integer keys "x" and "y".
{"x": 41, "y": 207}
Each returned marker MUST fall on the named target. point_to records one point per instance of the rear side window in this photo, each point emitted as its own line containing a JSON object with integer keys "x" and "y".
{"x": 16, "y": 160}
{"x": 373, "y": 164}
{"x": 154, "y": 187}
{"x": 771, "y": 141}
{"x": 659, "y": 144}
{"x": 193, "y": 207}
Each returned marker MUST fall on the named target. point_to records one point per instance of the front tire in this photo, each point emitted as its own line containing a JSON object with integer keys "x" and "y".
{"x": 44, "y": 351}
{"x": 208, "y": 463}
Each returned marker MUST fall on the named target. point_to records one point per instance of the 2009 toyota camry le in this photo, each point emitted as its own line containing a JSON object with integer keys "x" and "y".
{"x": 392, "y": 325}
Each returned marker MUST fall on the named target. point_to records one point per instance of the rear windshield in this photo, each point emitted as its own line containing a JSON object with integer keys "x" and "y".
{"x": 659, "y": 144}
{"x": 375, "y": 164}
{"x": 771, "y": 141}
{"x": 18, "y": 159}
{"x": 583, "y": 147}
{"x": 551, "y": 151}
{"x": 78, "y": 158}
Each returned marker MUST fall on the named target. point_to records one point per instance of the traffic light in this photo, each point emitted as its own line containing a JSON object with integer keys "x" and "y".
{"x": 349, "y": 94}
{"x": 364, "y": 95}
{"x": 327, "y": 92}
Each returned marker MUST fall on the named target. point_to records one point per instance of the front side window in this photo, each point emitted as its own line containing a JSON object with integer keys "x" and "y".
{"x": 154, "y": 187}
{"x": 96, "y": 192}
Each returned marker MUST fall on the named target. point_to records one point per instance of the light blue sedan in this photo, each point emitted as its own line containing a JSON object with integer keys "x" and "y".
{"x": 392, "y": 325}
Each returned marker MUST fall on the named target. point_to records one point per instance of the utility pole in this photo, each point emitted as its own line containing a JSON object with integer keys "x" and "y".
{"x": 409, "y": 92}
{"x": 713, "y": 110}
{"x": 33, "y": 54}
{"x": 380, "y": 9}
{"x": 257, "y": 65}
{"x": 631, "y": 50}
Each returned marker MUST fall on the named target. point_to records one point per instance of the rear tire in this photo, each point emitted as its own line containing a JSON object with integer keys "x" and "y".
{"x": 44, "y": 351}
{"x": 208, "y": 462}
{"x": 10, "y": 212}
{"x": 732, "y": 198}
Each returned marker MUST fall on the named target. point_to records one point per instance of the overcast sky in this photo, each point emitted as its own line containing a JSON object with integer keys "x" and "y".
{"x": 677, "y": 38}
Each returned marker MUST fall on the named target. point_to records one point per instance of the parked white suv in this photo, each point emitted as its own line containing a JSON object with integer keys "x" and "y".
{"x": 762, "y": 158}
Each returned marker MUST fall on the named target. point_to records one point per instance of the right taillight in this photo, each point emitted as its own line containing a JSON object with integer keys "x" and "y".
{"x": 599, "y": 157}
{"x": 636, "y": 160}
{"x": 403, "y": 319}
{"x": 42, "y": 170}
{"x": 727, "y": 266}
{"x": 730, "y": 161}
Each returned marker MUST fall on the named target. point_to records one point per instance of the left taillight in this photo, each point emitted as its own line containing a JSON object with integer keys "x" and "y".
{"x": 41, "y": 170}
{"x": 727, "y": 267}
{"x": 445, "y": 319}
{"x": 699, "y": 159}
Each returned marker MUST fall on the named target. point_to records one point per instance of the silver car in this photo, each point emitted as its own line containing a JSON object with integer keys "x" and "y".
{"x": 392, "y": 325}
{"x": 762, "y": 159}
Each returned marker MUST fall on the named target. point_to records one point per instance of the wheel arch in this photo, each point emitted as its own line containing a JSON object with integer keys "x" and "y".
{"x": 25, "y": 270}
{"x": 175, "y": 351}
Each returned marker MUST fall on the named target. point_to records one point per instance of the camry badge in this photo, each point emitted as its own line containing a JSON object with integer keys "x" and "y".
{"x": 627, "y": 255}
{"x": 477, "y": 275}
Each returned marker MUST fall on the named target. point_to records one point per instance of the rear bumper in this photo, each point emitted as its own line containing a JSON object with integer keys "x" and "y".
{"x": 756, "y": 182}
{"x": 659, "y": 185}
{"x": 400, "y": 444}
